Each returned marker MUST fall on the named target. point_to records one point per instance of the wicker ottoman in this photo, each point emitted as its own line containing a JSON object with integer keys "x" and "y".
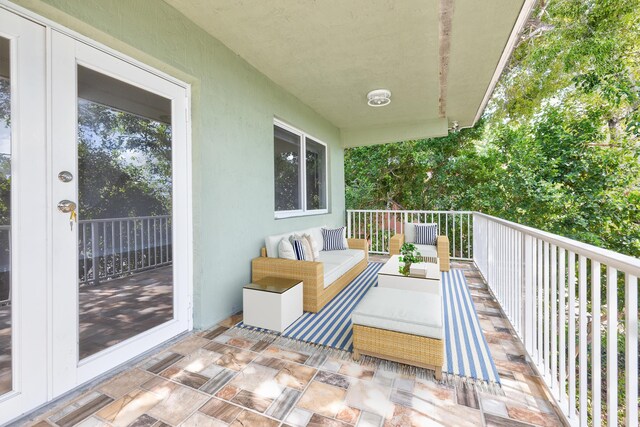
{"x": 401, "y": 326}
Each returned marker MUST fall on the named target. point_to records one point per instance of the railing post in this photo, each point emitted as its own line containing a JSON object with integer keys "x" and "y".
{"x": 529, "y": 303}
{"x": 631, "y": 348}
{"x": 95, "y": 260}
{"x": 349, "y": 224}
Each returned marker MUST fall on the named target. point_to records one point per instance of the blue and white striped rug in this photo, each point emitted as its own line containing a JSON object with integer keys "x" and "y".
{"x": 467, "y": 352}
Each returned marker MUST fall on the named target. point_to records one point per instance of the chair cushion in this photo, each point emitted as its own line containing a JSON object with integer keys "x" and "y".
{"x": 426, "y": 234}
{"x": 427, "y": 250}
{"x": 409, "y": 312}
{"x": 410, "y": 230}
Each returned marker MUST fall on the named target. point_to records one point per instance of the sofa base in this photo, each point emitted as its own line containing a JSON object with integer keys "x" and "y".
{"x": 315, "y": 305}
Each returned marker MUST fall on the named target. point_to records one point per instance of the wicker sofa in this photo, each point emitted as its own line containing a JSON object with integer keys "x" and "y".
{"x": 440, "y": 250}
{"x": 320, "y": 285}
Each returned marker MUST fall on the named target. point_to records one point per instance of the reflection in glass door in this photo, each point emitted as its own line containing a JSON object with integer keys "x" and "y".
{"x": 5, "y": 217}
{"x": 125, "y": 271}
{"x": 23, "y": 217}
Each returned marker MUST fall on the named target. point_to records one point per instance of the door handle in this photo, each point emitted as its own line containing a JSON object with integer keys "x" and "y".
{"x": 66, "y": 206}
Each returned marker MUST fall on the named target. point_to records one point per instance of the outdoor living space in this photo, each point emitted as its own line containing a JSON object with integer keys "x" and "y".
{"x": 319, "y": 213}
{"x": 222, "y": 376}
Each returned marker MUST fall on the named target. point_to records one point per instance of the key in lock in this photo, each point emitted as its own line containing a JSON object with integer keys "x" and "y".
{"x": 67, "y": 206}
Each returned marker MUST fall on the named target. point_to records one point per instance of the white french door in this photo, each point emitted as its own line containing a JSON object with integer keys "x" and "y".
{"x": 23, "y": 220}
{"x": 94, "y": 212}
{"x": 119, "y": 164}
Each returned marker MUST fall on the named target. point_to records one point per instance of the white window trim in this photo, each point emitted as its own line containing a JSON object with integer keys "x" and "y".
{"x": 303, "y": 174}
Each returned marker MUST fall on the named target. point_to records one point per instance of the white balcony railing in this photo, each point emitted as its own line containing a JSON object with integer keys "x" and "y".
{"x": 107, "y": 248}
{"x": 378, "y": 226}
{"x": 115, "y": 247}
{"x": 559, "y": 294}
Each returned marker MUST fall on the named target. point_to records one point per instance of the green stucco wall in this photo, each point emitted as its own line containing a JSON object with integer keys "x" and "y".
{"x": 233, "y": 108}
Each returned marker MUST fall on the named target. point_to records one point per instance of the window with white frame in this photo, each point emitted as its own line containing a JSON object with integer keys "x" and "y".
{"x": 300, "y": 172}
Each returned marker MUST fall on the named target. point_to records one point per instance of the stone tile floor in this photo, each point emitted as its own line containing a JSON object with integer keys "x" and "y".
{"x": 219, "y": 378}
{"x": 110, "y": 312}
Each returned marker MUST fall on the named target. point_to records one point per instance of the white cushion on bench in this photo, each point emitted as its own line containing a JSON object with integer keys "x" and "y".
{"x": 409, "y": 312}
{"x": 427, "y": 250}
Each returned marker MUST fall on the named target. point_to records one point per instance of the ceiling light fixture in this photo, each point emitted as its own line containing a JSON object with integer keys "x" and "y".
{"x": 379, "y": 98}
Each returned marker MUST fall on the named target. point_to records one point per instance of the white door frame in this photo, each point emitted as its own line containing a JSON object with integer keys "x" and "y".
{"x": 67, "y": 53}
{"x": 28, "y": 216}
{"x": 45, "y": 382}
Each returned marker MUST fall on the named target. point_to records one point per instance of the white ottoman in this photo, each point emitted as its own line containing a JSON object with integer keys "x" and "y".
{"x": 400, "y": 325}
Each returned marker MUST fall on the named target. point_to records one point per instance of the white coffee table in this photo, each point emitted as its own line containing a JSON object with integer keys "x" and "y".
{"x": 390, "y": 277}
{"x": 272, "y": 303}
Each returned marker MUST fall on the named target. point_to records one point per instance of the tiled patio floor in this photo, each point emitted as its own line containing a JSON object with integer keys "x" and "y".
{"x": 215, "y": 378}
{"x": 110, "y": 313}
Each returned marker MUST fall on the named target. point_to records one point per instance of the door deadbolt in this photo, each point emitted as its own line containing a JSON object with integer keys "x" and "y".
{"x": 65, "y": 176}
{"x": 66, "y": 206}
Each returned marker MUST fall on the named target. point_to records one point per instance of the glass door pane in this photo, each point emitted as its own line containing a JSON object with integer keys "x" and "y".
{"x": 125, "y": 263}
{"x": 5, "y": 218}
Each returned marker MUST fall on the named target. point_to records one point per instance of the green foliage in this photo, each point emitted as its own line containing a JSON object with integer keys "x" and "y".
{"x": 409, "y": 256}
{"x": 558, "y": 147}
{"x": 124, "y": 164}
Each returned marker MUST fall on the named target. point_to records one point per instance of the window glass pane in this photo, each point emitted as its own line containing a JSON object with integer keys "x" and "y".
{"x": 316, "y": 159}
{"x": 287, "y": 170}
{"x": 125, "y": 272}
{"x": 5, "y": 218}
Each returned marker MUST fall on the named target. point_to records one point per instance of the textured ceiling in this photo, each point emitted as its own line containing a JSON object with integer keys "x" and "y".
{"x": 330, "y": 53}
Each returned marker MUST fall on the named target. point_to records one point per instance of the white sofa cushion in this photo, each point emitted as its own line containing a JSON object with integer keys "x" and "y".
{"x": 337, "y": 263}
{"x": 337, "y": 257}
{"x": 427, "y": 250}
{"x": 409, "y": 312}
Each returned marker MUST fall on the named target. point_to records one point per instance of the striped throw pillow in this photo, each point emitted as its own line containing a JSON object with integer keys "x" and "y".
{"x": 333, "y": 239}
{"x": 426, "y": 234}
{"x": 298, "y": 249}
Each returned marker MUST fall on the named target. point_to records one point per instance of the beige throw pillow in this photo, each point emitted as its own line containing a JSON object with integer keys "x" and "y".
{"x": 314, "y": 246}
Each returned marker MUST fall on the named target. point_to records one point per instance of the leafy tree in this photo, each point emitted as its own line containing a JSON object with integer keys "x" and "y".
{"x": 124, "y": 163}
{"x": 558, "y": 147}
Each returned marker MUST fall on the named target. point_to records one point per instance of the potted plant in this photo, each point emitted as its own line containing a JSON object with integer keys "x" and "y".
{"x": 409, "y": 255}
